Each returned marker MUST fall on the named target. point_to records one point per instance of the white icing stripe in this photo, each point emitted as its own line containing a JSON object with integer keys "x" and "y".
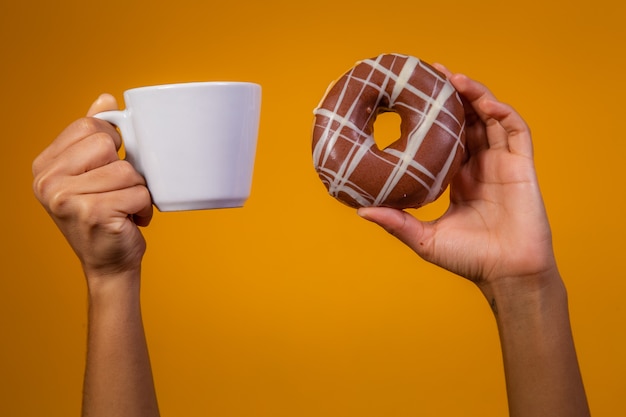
{"x": 414, "y": 164}
{"x": 403, "y": 78}
{"x": 349, "y": 164}
{"x": 354, "y": 191}
{"x": 414, "y": 142}
{"x": 324, "y": 145}
{"x": 434, "y": 190}
{"x": 343, "y": 121}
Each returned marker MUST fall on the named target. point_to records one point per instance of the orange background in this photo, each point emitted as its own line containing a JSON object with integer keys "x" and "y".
{"x": 294, "y": 306}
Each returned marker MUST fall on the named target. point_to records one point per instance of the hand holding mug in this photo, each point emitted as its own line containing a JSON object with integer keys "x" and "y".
{"x": 95, "y": 198}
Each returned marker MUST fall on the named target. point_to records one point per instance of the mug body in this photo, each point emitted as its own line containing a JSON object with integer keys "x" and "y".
{"x": 195, "y": 143}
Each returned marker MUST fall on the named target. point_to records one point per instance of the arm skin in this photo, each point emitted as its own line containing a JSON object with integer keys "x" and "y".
{"x": 496, "y": 234}
{"x": 97, "y": 201}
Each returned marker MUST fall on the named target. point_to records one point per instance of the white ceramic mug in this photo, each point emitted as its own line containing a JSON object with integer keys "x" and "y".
{"x": 194, "y": 143}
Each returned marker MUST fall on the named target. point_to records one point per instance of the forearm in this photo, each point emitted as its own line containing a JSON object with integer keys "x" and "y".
{"x": 118, "y": 375}
{"x": 541, "y": 367}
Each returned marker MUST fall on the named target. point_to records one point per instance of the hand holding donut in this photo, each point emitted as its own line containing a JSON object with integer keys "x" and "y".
{"x": 495, "y": 231}
{"x": 496, "y": 226}
{"x": 95, "y": 198}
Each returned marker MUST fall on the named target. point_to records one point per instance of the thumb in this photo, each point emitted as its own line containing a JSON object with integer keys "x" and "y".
{"x": 409, "y": 230}
{"x": 103, "y": 103}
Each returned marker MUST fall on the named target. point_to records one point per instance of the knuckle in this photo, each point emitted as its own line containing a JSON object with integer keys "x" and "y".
{"x": 145, "y": 194}
{"x": 97, "y": 150}
{"x": 89, "y": 125}
{"x": 84, "y": 127}
{"x": 125, "y": 169}
{"x": 92, "y": 127}
{"x": 87, "y": 211}
{"x": 37, "y": 166}
{"x": 42, "y": 187}
{"x": 58, "y": 202}
{"x": 103, "y": 140}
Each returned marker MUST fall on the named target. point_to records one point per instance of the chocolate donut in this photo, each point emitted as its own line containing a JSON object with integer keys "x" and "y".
{"x": 412, "y": 171}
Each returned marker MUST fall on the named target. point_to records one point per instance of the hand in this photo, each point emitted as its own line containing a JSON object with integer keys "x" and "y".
{"x": 496, "y": 226}
{"x": 96, "y": 199}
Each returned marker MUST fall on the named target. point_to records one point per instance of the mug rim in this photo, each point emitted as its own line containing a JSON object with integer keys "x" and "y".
{"x": 192, "y": 84}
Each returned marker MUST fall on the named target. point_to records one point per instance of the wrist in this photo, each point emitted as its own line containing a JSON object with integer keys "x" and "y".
{"x": 119, "y": 288}
{"x": 514, "y": 296}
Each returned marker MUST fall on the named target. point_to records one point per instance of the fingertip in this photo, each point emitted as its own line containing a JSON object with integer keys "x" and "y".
{"x": 364, "y": 212}
{"x": 104, "y": 102}
{"x": 398, "y": 223}
{"x": 442, "y": 68}
{"x": 494, "y": 108}
{"x": 143, "y": 209}
{"x": 459, "y": 81}
{"x": 142, "y": 220}
{"x": 512, "y": 122}
{"x": 392, "y": 220}
{"x": 488, "y": 105}
{"x": 378, "y": 215}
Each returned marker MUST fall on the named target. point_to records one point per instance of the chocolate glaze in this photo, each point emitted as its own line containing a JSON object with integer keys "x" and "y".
{"x": 412, "y": 171}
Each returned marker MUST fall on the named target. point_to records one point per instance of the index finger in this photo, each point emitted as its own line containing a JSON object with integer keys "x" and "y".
{"x": 475, "y": 127}
{"x": 79, "y": 130}
{"x": 477, "y": 94}
{"x": 518, "y": 132}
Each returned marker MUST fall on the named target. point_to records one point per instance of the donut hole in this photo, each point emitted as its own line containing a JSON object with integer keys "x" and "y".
{"x": 386, "y": 129}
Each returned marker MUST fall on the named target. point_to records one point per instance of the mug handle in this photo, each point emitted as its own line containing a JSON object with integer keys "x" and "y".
{"x": 121, "y": 119}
